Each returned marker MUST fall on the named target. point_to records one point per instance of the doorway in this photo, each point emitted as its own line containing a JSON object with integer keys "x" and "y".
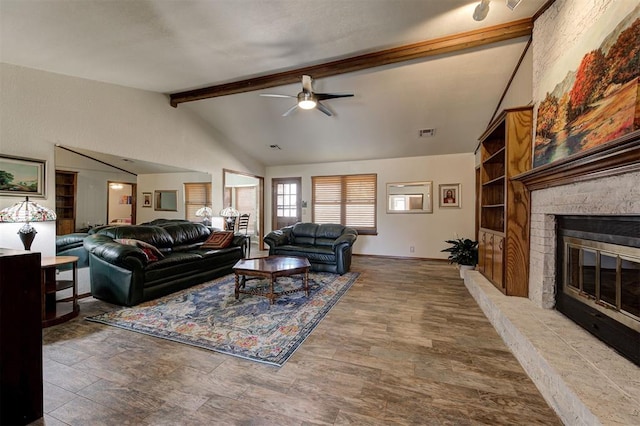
{"x": 286, "y": 204}
{"x": 121, "y": 203}
{"x": 245, "y": 193}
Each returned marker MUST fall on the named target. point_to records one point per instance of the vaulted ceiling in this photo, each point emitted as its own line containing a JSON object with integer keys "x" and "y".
{"x": 445, "y": 82}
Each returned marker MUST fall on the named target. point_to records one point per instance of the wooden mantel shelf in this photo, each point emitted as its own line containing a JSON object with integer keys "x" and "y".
{"x": 613, "y": 158}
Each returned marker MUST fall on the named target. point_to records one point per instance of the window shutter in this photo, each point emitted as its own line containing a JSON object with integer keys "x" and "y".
{"x": 349, "y": 200}
{"x": 196, "y": 195}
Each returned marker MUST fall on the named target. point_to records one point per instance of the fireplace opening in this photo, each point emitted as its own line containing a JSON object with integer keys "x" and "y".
{"x": 598, "y": 278}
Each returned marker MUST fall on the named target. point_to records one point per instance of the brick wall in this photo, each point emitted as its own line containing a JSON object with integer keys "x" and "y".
{"x": 607, "y": 196}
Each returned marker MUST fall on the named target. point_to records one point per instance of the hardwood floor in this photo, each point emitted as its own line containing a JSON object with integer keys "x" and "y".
{"x": 406, "y": 345}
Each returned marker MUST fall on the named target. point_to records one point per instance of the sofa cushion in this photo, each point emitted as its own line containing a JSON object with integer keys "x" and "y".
{"x": 152, "y": 253}
{"x": 315, "y": 254}
{"x": 304, "y": 233}
{"x": 184, "y": 233}
{"x": 154, "y": 235}
{"x": 218, "y": 240}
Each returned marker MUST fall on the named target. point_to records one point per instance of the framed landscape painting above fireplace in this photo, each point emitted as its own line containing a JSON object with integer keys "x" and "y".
{"x": 596, "y": 96}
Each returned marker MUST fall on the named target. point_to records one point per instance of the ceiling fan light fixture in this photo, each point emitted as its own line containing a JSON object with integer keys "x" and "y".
{"x": 306, "y": 100}
{"x": 481, "y": 10}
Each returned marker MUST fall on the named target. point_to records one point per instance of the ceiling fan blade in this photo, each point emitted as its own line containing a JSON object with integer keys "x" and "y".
{"x": 324, "y": 96}
{"x": 324, "y": 109}
{"x": 273, "y": 95}
{"x": 306, "y": 83}
{"x": 290, "y": 110}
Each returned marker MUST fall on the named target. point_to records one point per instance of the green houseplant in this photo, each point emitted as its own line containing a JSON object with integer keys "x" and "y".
{"x": 464, "y": 252}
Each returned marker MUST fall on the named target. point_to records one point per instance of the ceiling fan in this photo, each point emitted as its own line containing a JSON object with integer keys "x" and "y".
{"x": 308, "y": 99}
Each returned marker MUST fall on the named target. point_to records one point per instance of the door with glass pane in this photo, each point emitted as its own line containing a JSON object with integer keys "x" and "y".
{"x": 286, "y": 201}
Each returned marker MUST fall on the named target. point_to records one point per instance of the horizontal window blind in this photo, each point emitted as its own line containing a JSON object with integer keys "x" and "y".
{"x": 349, "y": 200}
{"x": 196, "y": 195}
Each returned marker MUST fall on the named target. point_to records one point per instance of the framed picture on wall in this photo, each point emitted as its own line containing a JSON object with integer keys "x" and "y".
{"x": 22, "y": 176}
{"x": 146, "y": 199}
{"x": 449, "y": 195}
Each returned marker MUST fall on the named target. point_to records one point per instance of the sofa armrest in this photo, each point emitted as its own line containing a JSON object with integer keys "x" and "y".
{"x": 126, "y": 256}
{"x": 69, "y": 241}
{"x": 276, "y": 238}
{"x": 347, "y": 238}
{"x": 242, "y": 241}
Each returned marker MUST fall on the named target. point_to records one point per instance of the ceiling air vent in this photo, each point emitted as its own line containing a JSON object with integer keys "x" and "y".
{"x": 426, "y": 133}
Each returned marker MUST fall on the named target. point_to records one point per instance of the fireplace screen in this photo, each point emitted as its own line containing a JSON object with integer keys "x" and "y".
{"x": 604, "y": 276}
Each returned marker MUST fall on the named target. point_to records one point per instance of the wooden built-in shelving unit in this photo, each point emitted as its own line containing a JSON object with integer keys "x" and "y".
{"x": 504, "y": 203}
{"x": 66, "y": 188}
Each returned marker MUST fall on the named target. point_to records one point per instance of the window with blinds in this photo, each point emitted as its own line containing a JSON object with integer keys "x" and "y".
{"x": 349, "y": 200}
{"x": 196, "y": 195}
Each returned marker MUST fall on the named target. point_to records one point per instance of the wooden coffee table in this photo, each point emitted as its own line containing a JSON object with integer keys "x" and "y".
{"x": 270, "y": 267}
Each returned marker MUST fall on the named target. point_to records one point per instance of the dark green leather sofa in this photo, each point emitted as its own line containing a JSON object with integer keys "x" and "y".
{"x": 122, "y": 273}
{"x": 328, "y": 246}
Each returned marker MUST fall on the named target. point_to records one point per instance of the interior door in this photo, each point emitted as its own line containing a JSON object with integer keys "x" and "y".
{"x": 286, "y": 201}
{"x": 121, "y": 203}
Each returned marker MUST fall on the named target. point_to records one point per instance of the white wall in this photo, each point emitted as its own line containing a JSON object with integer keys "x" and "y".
{"x": 520, "y": 91}
{"x": 40, "y": 109}
{"x": 397, "y": 232}
{"x": 166, "y": 182}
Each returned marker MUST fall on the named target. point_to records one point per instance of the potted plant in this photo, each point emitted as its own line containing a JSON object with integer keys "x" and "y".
{"x": 463, "y": 252}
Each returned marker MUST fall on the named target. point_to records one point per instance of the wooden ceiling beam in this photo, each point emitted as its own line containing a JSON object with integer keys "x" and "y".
{"x": 448, "y": 44}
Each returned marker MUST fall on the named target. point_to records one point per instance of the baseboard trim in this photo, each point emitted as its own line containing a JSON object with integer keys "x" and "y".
{"x": 382, "y": 256}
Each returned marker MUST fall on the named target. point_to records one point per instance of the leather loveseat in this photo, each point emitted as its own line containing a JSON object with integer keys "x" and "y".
{"x": 327, "y": 246}
{"x": 127, "y": 272}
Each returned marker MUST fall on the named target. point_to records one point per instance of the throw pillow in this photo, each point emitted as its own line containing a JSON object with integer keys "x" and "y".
{"x": 152, "y": 253}
{"x": 218, "y": 240}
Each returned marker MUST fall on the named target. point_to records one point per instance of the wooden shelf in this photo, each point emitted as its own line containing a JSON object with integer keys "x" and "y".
{"x": 496, "y": 157}
{"x": 498, "y": 180}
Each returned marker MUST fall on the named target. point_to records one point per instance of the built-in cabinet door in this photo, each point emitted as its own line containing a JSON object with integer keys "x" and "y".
{"x": 488, "y": 256}
{"x": 482, "y": 249}
{"x": 498, "y": 261}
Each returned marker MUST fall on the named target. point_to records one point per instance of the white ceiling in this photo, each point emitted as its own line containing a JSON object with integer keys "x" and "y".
{"x": 169, "y": 46}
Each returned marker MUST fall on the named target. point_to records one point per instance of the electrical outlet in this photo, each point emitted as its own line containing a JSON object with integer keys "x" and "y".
{"x": 412, "y": 249}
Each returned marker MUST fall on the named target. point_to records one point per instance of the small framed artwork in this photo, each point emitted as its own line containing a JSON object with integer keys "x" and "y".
{"x": 449, "y": 195}
{"x": 22, "y": 176}
{"x": 146, "y": 199}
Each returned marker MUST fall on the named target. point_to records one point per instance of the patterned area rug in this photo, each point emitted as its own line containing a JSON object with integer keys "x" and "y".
{"x": 209, "y": 316}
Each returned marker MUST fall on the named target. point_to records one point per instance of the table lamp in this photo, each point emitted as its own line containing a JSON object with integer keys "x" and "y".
{"x": 229, "y": 213}
{"x": 205, "y": 213}
{"x": 27, "y": 211}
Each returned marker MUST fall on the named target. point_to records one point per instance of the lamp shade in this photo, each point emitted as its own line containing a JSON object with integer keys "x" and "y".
{"x": 26, "y": 211}
{"x": 204, "y": 212}
{"x": 229, "y": 212}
